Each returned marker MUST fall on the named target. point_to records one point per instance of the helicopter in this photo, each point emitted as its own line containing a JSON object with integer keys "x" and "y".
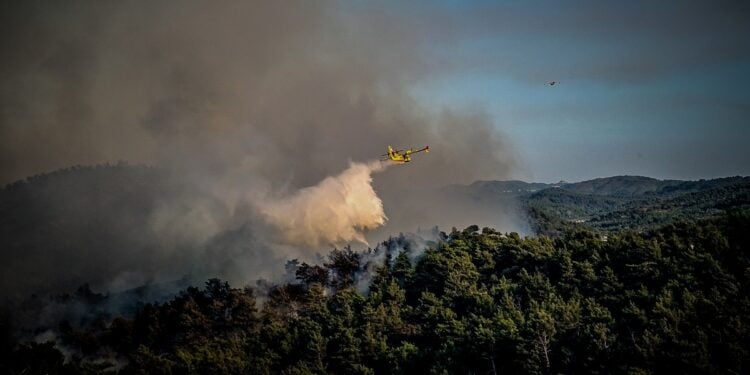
{"x": 402, "y": 156}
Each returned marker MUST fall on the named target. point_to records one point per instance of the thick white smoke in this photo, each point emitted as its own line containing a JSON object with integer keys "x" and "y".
{"x": 229, "y": 103}
{"x": 337, "y": 210}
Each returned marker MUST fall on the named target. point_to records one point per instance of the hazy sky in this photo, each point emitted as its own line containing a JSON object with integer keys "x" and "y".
{"x": 660, "y": 89}
{"x": 655, "y": 88}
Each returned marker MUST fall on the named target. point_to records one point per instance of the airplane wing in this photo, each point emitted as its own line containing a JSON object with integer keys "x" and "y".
{"x": 395, "y": 151}
{"x": 425, "y": 149}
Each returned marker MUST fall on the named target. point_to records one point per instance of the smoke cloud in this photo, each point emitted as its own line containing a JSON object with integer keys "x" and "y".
{"x": 337, "y": 210}
{"x": 250, "y": 106}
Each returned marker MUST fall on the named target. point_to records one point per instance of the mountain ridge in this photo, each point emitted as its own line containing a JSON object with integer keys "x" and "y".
{"x": 613, "y": 185}
{"x": 611, "y": 203}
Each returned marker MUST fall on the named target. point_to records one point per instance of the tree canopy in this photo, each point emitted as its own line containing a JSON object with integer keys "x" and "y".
{"x": 671, "y": 300}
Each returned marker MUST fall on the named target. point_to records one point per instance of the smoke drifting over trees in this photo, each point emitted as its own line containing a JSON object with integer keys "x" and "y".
{"x": 244, "y": 103}
{"x": 286, "y": 93}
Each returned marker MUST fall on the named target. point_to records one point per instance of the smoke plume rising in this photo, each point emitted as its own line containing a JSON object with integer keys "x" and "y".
{"x": 241, "y": 103}
{"x": 336, "y": 211}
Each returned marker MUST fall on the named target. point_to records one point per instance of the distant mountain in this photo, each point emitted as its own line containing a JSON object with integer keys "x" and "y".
{"x": 695, "y": 201}
{"x": 632, "y": 186}
{"x": 625, "y": 186}
{"x": 507, "y": 187}
{"x": 573, "y": 205}
{"x": 612, "y": 203}
{"x": 621, "y": 186}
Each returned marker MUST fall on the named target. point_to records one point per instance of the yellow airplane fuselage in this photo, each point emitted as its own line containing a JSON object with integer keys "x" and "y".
{"x": 400, "y": 156}
{"x": 397, "y": 157}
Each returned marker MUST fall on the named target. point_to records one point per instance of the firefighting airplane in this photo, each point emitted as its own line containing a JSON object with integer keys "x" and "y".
{"x": 402, "y": 156}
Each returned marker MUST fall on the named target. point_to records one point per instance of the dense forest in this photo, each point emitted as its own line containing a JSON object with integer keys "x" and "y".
{"x": 623, "y": 274}
{"x": 671, "y": 300}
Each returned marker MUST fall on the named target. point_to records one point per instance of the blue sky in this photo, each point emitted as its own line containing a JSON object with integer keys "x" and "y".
{"x": 656, "y": 89}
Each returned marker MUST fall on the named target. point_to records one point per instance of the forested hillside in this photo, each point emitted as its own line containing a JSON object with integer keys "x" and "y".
{"x": 672, "y": 300}
{"x": 611, "y": 204}
{"x": 626, "y": 274}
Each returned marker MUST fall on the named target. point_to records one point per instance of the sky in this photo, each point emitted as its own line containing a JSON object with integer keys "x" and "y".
{"x": 643, "y": 88}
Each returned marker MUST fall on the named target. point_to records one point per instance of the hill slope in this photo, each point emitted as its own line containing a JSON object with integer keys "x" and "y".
{"x": 66, "y": 223}
{"x": 668, "y": 298}
{"x": 672, "y": 300}
{"x": 613, "y": 203}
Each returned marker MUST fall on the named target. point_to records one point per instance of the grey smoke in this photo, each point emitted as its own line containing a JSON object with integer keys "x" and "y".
{"x": 241, "y": 102}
